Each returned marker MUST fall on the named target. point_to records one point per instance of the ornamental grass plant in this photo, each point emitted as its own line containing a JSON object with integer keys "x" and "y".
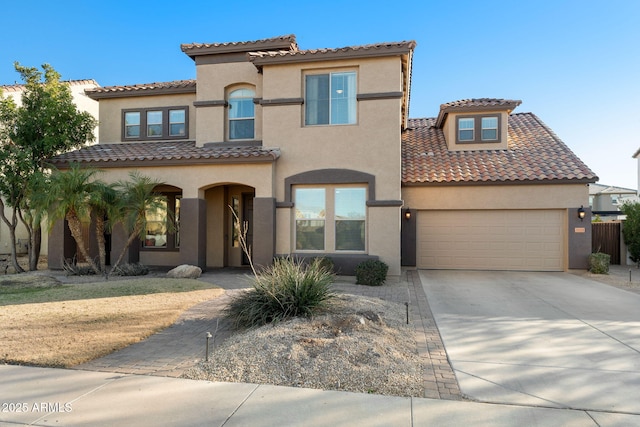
{"x": 288, "y": 288}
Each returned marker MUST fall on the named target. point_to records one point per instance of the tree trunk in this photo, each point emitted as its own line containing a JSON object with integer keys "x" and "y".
{"x": 130, "y": 240}
{"x": 11, "y": 225}
{"x": 35, "y": 246}
{"x": 101, "y": 244}
{"x": 75, "y": 226}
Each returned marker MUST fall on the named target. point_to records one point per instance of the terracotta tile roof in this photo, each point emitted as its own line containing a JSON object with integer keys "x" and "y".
{"x": 20, "y": 87}
{"x": 177, "y": 86}
{"x": 287, "y": 42}
{"x": 162, "y": 153}
{"x": 379, "y": 49}
{"x": 475, "y": 104}
{"x": 535, "y": 154}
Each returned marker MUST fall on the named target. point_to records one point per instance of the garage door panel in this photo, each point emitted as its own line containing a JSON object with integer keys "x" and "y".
{"x": 491, "y": 240}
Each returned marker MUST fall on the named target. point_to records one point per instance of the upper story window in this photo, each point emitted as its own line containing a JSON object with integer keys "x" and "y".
{"x": 489, "y": 128}
{"x": 155, "y": 123}
{"x": 330, "y": 99}
{"x": 478, "y": 129}
{"x": 241, "y": 114}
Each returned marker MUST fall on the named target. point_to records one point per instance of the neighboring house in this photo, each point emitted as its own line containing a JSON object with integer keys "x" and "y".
{"x": 315, "y": 150}
{"x": 605, "y": 200}
{"x": 83, "y": 103}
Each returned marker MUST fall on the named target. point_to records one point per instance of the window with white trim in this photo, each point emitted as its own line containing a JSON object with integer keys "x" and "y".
{"x": 489, "y": 128}
{"x": 241, "y": 114}
{"x": 330, "y": 99}
{"x": 478, "y": 128}
{"x": 331, "y": 218}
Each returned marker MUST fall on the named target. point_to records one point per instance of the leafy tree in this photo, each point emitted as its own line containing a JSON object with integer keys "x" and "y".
{"x": 631, "y": 230}
{"x": 137, "y": 197}
{"x": 45, "y": 124}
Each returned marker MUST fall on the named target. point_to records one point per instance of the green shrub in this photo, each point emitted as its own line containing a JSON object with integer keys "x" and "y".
{"x": 288, "y": 288}
{"x": 599, "y": 263}
{"x": 371, "y": 272}
{"x": 134, "y": 269}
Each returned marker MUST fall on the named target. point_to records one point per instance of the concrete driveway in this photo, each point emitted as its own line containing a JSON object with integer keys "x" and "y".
{"x": 543, "y": 339}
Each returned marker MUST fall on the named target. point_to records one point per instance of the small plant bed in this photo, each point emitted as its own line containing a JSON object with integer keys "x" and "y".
{"x": 356, "y": 344}
{"x": 288, "y": 288}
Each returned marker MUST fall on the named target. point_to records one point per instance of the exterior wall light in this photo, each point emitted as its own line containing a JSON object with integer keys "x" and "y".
{"x": 407, "y": 214}
{"x": 581, "y": 213}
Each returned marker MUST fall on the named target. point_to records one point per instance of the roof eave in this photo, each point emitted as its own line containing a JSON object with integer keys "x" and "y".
{"x": 63, "y": 164}
{"x": 502, "y": 182}
{"x": 129, "y": 93}
{"x": 285, "y": 42}
{"x": 336, "y": 54}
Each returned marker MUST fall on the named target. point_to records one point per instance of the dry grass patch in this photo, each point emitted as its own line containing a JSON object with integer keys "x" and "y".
{"x": 74, "y": 330}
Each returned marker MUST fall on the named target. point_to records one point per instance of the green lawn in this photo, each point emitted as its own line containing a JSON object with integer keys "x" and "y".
{"x": 28, "y": 289}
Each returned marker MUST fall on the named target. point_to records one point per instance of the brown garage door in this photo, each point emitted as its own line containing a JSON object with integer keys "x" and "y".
{"x": 527, "y": 240}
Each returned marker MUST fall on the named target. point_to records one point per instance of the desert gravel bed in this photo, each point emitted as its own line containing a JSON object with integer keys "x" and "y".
{"x": 360, "y": 344}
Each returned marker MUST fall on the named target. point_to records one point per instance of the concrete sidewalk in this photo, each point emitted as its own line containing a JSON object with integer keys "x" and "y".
{"x": 60, "y": 397}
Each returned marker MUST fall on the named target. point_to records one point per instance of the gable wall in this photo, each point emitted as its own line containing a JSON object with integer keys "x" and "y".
{"x": 111, "y": 113}
{"x": 449, "y": 129}
{"x": 214, "y": 81}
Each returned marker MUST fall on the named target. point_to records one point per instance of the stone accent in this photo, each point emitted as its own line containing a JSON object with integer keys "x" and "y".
{"x": 185, "y": 271}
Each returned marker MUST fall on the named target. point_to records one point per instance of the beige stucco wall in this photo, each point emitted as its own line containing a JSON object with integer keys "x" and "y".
{"x": 496, "y": 196}
{"x": 372, "y": 145}
{"x": 111, "y": 113}
{"x": 207, "y": 182}
{"x": 215, "y": 81}
{"x": 449, "y": 130}
{"x": 195, "y": 179}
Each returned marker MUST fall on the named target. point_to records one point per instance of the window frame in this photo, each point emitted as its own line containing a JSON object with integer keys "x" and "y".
{"x": 478, "y": 128}
{"x": 165, "y": 123}
{"x": 331, "y": 219}
{"x": 172, "y": 237}
{"x": 331, "y": 101}
{"x": 238, "y": 119}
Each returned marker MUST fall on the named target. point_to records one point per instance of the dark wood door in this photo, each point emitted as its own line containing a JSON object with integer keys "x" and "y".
{"x": 247, "y": 216}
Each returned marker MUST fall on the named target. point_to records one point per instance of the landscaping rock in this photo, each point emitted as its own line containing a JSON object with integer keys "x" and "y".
{"x": 185, "y": 271}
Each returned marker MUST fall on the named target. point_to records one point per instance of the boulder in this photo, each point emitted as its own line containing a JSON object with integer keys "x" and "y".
{"x": 185, "y": 271}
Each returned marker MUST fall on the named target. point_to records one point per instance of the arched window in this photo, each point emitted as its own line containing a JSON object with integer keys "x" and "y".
{"x": 241, "y": 114}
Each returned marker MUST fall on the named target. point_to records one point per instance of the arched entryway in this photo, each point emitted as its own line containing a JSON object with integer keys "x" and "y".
{"x": 225, "y": 203}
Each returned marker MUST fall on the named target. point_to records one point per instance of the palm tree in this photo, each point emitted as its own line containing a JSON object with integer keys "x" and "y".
{"x": 137, "y": 197}
{"x": 70, "y": 198}
{"x": 103, "y": 202}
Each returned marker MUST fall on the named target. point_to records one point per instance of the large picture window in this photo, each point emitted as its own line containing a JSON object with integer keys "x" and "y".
{"x": 330, "y": 99}
{"x": 241, "y": 114}
{"x": 155, "y": 123}
{"x": 158, "y": 234}
{"x": 330, "y": 219}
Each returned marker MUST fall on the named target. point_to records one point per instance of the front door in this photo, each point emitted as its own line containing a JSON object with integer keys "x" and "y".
{"x": 247, "y": 218}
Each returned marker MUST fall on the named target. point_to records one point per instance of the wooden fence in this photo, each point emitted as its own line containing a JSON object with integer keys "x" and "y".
{"x": 605, "y": 237}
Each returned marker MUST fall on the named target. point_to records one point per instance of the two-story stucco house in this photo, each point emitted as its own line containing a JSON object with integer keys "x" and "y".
{"x": 315, "y": 150}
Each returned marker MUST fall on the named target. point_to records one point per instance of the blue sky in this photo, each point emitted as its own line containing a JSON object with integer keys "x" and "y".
{"x": 575, "y": 64}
